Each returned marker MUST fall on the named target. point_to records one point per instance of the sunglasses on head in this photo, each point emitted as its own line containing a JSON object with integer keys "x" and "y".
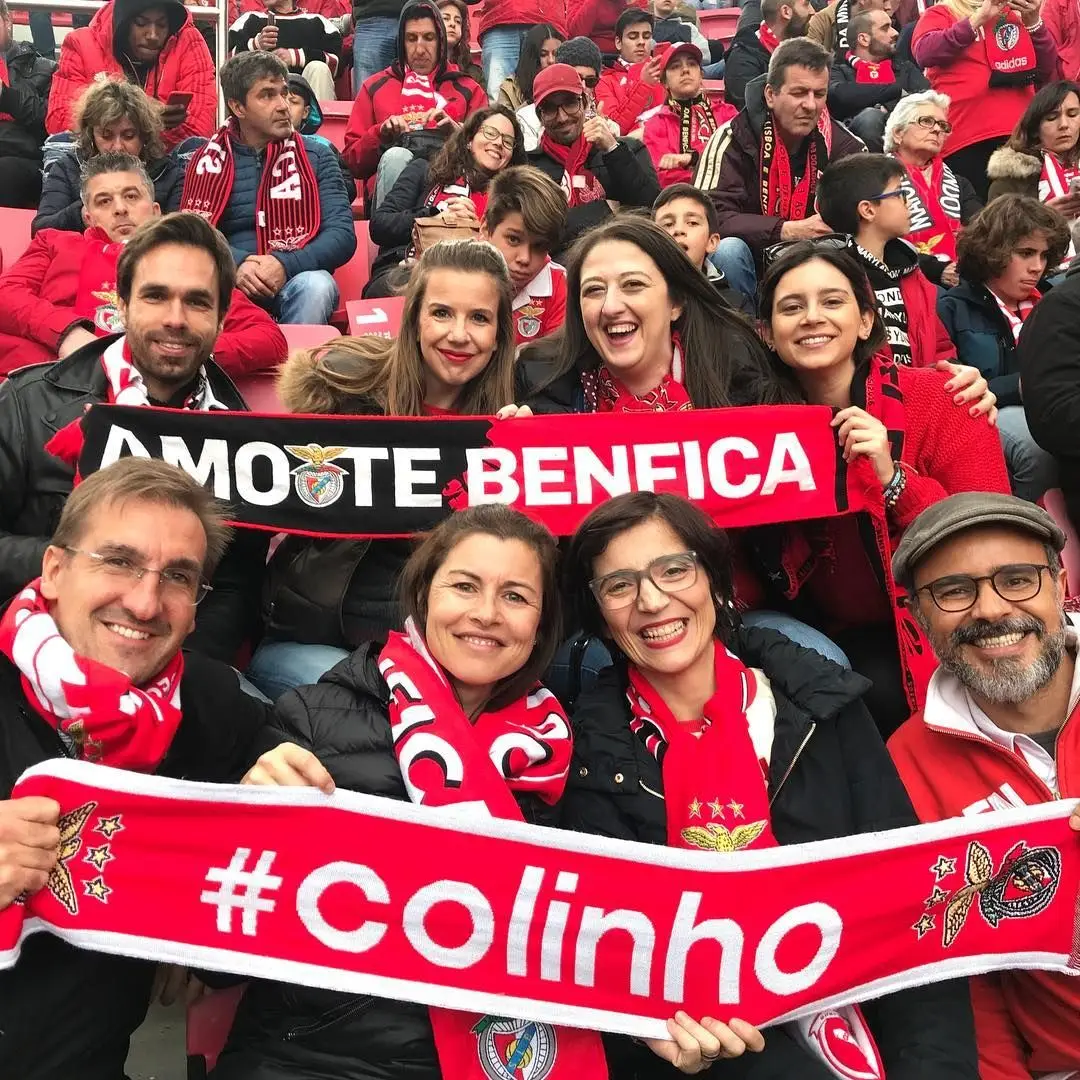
{"x": 829, "y": 242}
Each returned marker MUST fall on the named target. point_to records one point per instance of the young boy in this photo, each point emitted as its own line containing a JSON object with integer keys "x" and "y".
{"x": 525, "y": 219}
{"x": 861, "y": 195}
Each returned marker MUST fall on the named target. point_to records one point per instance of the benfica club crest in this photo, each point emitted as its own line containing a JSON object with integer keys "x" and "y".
{"x": 528, "y": 320}
{"x": 515, "y": 1049}
{"x": 1007, "y": 35}
{"x": 317, "y": 482}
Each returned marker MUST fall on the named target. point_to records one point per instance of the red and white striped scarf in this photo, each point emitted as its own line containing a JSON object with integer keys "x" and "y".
{"x": 767, "y": 38}
{"x": 97, "y": 711}
{"x": 419, "y": 98}
{"x": 1016, "y": 319}
{"x": 287, "y": 209}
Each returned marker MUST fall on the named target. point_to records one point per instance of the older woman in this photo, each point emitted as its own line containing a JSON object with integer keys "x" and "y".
{"x": 698, "y": 708}
{"x": 481, "y": 603}
{"x": 111, "y": 117}
{"x": 939, "y": 201}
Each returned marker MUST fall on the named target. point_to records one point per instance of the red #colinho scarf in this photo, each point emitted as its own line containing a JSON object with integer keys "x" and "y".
{"x": 578, "y": 183}
{"x": 604, "y": 392}
{"x": 287, "y": 214}
{"x": 934, "y": 209}
{"x": 716, "y": 797}
{"x": 96, "y": 297}
{"x": 1016, "y": 319}
{"x": 5, "y": 80}
{"x": 98, "y": 712}
{"x": 767, "y": 38}
{"x": 447, "y": 761}
{"x": 867, "y": 72}
{"x": 1009, "y": 48}
{"x": 781, "y": 196}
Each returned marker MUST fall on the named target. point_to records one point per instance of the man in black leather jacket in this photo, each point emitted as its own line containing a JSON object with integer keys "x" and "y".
{"x": 175, "y": 296}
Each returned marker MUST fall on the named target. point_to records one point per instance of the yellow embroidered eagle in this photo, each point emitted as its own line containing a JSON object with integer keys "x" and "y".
{"x": 717, "y": 837}
{"x": 60, "y": 883}
{"x": 979, "y": 871}
{"x": 315, "y": 454}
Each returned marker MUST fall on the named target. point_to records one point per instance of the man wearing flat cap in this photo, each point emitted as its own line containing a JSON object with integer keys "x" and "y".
{"x": 1000, "y": 725}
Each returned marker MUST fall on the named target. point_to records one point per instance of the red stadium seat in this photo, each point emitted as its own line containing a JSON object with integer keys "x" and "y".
{"x": 335, "y": 120}
{"x": 719, "y": 24}
{"x": 302, "y": 336}
{"x": 209, "y": 1021}
{"x": 14, "y": 234}
{"x": 354, "y": 275}
{"x": 1054, "y": 504}
{"x": 259, "y": 390}
{"x": 715, "y": 89}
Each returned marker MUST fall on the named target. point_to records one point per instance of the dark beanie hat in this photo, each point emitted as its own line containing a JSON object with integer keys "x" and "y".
{"x": 580, "y": 52}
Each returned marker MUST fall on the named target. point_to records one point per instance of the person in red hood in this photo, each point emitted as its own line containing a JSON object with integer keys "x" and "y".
{"x": 61, "y": 293}
{"x": 154, "y": 45}
{"x": 633, "y": 85}
{"x": 596, "y": 19}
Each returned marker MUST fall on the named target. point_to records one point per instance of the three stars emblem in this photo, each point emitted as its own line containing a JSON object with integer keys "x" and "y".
{"x": 924, "y": 925}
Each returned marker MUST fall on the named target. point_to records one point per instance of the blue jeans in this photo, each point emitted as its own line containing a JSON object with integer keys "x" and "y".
{"x": 278, "y": 666}
{"x": 736, "y": 260}
{"x": 714, "y": 71}
{"x": 799, "y": 632}
{"x": 574, "y": 671}
{"x": 374, "y": 46}
{"x": 309, "y": 297}
{"x": 1032, "y": 471}
{"x": 391, "y": 166}
{"x": 41, "y": 31}
{"x": 500, "y": 48}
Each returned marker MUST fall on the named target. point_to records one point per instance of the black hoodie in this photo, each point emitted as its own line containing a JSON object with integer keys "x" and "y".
{"x": 420, "y": 9}
{"x": 126, "y": 10}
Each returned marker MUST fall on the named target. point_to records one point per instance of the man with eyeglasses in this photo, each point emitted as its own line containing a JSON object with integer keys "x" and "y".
{"x": 583, "y": 155}
{"x": 983, "y": 572}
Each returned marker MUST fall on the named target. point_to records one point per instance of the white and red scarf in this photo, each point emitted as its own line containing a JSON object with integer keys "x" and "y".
{"x": 579, "y": 184}
{"x": 1009, "y": 48}
{"x": 934, "y": 208}
{"x": 419, "y": 99}
{"x": 868, "y": 72}
{"x": 446, "y": 761}
{"x": 98, "y": 712}
{"x": 781, "y": 195}
{"x": 769, "y": 41}
{"x": 96, "y": 297}
{"x": 440, "y": 197}
{"x": 287, "y": 210}
{"x": 1054, "y": 183}
{"x": 605, "y": 393}
{"x": 5, "y": 80}
{"x": 125, "y": 387}
{"x": 1016, "y": 319}
{"x": 716, "y": 797}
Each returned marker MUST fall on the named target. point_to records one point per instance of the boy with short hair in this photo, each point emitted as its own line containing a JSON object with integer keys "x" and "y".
{"x": 525, "y": 218}
{"x": 861, "y": 195}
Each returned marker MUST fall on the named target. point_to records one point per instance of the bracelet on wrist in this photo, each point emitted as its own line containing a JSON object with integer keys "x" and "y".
{"x": 895, "y": 487}
{"x": 1034, "y": 26}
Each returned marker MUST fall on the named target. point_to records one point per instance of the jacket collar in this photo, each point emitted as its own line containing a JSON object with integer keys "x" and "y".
{"x": 541, "y": 285}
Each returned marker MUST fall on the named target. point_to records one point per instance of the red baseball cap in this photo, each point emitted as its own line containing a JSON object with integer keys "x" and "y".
{"x": 557, "y": 79}
{"x": 669, "y": 50}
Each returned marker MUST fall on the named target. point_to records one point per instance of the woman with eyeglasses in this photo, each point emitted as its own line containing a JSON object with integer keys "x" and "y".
{"x": 708, "y": 734}
{"x": 453, "y": 185}
{"x": 939, "y": 200}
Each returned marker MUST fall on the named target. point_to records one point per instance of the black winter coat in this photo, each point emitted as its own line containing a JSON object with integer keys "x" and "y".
{"x": 286, "y": 1032}
{"x": 746, "y": 59}
{"x": 66, "y": 1012}
{"x": 38, "y": 401}
{"x": 392, "y": 222}
{"x": 25, "y": 99}
{"x": 829, "y": 776}
{"x": 848, "y": 97}
{"x": 61, "y": 197}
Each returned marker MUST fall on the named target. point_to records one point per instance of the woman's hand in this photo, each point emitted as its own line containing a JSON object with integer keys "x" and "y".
{"x": 970, "y": 388}
{"x": 674, "y": 161}
{"x": 1068, "y": 205}
{"x": 989, "y": 12}
{"x": 461, "y": 211}
{"x": 289, "y": 765}
{"x": 950, "y": 276}
{"x": 860, "y": 434}
{"x": 510, "y": 412}
{"x": 696, "y": 1046}
{"x": 1028, "y": 10}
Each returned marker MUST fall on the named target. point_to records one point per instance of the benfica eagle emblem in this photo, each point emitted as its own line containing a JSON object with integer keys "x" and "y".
{"x": 717, "y": 837}
{"x": 317, "y": 482}
{"x": 515, "y": 1049}
{"x": 60, "y": 882}
{"x": 528, "y": 320}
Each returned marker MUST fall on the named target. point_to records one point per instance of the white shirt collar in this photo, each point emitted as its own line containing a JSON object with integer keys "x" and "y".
{"x": 541, "y": 285}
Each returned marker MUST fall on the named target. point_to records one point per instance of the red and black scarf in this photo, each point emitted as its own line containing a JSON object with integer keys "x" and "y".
{"x": 98, "y": 712}
{"x": 439, "y": 197}
{"x": 768, "y": 39}
{"x": 1010, "y": 52}
{"x": 287, "y": 211}
{"x": 696, "y": 122}
{"x": 868, "y": 72}
{"x": 781, "y": 195}
{"x": 578, "y": 183}
{"x": 934, "y": 208}
{"x": 5, "y": 80}
{"x": 605, "y": 393}
{"x": 475, "y": 767}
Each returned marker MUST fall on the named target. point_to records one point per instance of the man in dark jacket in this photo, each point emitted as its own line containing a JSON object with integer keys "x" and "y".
{"x": 869, "y": 79}
{"x": 584, "y": 156}
{"x": 25, "y": 78}
{"x": 113, "y": 597}
{"x": 174, "y": 280}
{"x": 753, "y": 46}
{"x": 787, "y": 106}
{"x": 277, "y": 196}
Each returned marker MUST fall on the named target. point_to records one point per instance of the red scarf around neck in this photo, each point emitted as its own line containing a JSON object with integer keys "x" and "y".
{"x": 5, "y": 80}
{"x": 1017, "y": 319}
{"x": 696, "y": 122}
{"x": 767, "y": 38}
{"x": 460, "y": 188}
{"x": 780, "y": 195}
{"x": 98, "y": 712}
{"x": 868, "y": 72}
{"x": 1009, "y": 48}
{"x": 934, "y": 208}
{"x": 1056, "y": 178}
{"x": 578, "y": 183}
{"x": 96, "y": 297}
{"x": 475, "y": 767}
{"x": 287, "y": 210}
{"x": 605, "y": 393}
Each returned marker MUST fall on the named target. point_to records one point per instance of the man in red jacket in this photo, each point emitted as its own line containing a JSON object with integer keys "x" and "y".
{"x": 152, "y": 43}
{"x": 632, "y": 86}
{"x": 61, "y": 293}
{"x": 999, "y": 728}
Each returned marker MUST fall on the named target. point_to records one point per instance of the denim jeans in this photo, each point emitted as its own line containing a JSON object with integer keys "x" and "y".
{"x": 374, "y": 46}
{"x": 1032, "y": 471}
{"x": 309, "y": 297}
{"x": 41, "y": 31}
{"x": 391, "y": 166}
{"x": 736, "y": 260}
{"x": 574, "y": 671}
{"x": 278, "y": 666}
{"x": 500, "y": 48}
{"x": 799, "y": 632}
{"x": 714, "y": 71}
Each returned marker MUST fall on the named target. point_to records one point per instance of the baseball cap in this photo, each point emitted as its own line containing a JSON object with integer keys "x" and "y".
{"x": 670, "y": 50}
{"x": 556, "y": 79}
{"x": 969, "y": 510}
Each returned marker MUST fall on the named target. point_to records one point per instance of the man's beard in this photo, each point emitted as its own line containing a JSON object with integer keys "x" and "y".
{"x": 170, "y": 374}
{"x": 1009, "y": 680}
{"x": 796, "y": 27}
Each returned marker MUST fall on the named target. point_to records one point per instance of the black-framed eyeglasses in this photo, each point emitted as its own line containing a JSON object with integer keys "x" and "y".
{"x": 177, "y": 582}
{"x": 897, "y": 194}
{"x": 929, "y": 123}
{"x": 958, "y": 592}
{"x": 549, "y": 109}
{"x": 828, "y": 242}
{"x": 493, "y": 134}
{"x": 669, "y": 573}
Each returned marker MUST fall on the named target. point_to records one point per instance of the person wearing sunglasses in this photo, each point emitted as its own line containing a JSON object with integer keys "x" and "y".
{"x": 939, "y": 200}
{"x": 583, "y": 155}
{"x": 454, "y": 185}
{"x": 998, "y": 730}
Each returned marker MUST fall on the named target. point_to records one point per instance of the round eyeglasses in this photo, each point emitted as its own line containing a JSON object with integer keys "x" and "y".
{"x": 958, "y": 592}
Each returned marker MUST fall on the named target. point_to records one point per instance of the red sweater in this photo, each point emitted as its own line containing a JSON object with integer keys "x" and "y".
{"x": 40, "y": 291}
{"x": 540, "y": 308}
{"x": 1026, "y": 1021}
{"x": 927, "y": 336}
{"x": 625, "y": 97}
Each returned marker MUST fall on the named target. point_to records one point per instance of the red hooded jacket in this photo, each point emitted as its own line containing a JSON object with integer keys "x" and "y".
{"x": 625, "y": 97}
{"x": 89, "y": 55}
{"x": 663, "y": 134}
{"x": 40, "y": 291}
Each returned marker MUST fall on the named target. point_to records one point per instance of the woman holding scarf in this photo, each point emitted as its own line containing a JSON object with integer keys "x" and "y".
{"x": 987, "y": 55}
{"x": 704, "y": 722}
{"x": 481, "y": 600}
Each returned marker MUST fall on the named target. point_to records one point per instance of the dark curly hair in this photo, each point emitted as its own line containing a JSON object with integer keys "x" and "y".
{"x": 455, "y": 159}
{"x": 988, "y": 241}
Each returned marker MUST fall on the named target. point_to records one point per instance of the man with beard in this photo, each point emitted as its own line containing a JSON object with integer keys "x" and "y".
{"x": 174, "y": 281}
{"x": 999, "y": 727}
{"x": 754, "y": 45}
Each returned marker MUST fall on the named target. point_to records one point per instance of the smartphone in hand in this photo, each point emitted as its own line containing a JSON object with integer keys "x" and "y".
{"x": 178, "y": 99}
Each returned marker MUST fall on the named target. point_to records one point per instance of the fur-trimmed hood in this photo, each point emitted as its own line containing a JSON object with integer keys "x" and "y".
{"x": 1008, "y": 164}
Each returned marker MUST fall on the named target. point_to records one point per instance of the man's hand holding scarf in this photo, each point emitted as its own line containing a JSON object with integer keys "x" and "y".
{"x": 289, "y": 765}
{"x": 29, "y": 845}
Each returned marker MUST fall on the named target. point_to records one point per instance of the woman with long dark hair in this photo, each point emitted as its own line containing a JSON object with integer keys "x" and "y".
{"x": 455, "y": 16}
{"x": 454, "y": 185}
{"x": 538, "y": 48}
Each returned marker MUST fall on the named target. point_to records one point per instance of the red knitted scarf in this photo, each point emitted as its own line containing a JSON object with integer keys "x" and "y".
{"x": 287, "y": 211}
{"x": 934, "y": 208}
{"x": 696, "y": 122}
{"x": 867, "y": 72}
{"x": 767, "y": 38}
{"x": 460, "y": 188}
{"x": 1009, "y": 48}
{"x": 578, "y": 183}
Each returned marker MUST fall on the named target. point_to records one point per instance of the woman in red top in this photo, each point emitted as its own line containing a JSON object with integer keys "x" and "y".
{"x": 987, "y": 57}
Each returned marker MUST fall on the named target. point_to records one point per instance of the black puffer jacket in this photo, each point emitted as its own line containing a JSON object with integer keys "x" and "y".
{"x": 102, "y": 998}
{"x": 286, "y": 1032}
{"x": 24, "y": 99}
{"x": 829, "y": 776}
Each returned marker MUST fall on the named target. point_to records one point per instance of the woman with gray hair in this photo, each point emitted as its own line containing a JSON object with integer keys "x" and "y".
{"x": 939, "y": 201}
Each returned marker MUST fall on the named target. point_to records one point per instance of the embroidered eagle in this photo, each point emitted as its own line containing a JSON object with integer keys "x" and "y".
{"x": 717, "y": 837}
{"x": 60, "y": 883}
{"x": 316, "y": 455}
